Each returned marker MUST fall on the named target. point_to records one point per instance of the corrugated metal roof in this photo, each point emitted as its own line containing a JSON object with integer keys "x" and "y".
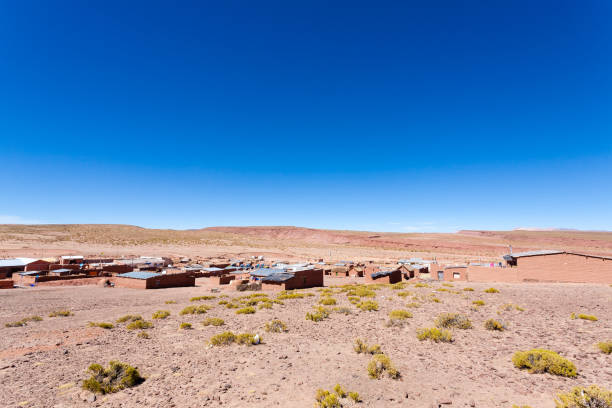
{"x": 71, "y": 257}
{"x": 277, "y": 277}
{"x": 61, "y": 270}
{"x": 139, "y": 275}
{"x": 536, "y": 253}
{"x": 30, "y": 273}
{"x": 16, "y": 262}
{"x": 267, "y": 271}
{"x": 380, "y": 274}
{"x": 213, "y": 269}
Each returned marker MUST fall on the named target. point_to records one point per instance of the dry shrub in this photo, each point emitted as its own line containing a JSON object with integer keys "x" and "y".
{"x": 435, "y": 334}
{"x": 327, "y": 301}
{"x": 185, "y": 326}
{"x": 340, "y": 392}
{"x": 368, "y": 305}
{"x": 581, "y": 397}
{"x": 197, "y": 298}
{"x": 404, "y": 294}
{"x": 544, "y": 361}
{"x": 143, "y": 335}
{"x": 60, "y": 313}
{"x": 605, "y": 347}
{"x": 195, "y": 310}
{"x": 491, "y": 290}
{"x": 112, "y": 379}
{"x": 362, "y": 348}
{"x": 413, "y": 305}
{"x": 379, "y": 364}
{"x": 290, "y": 295}
{"x": 325, "y": 399}
{"x": 587, "y": 317}
{"x": 246, "y": 310}
{"x": 450, "y": 320}
{"x": 213, "y": 321}
{"x": 139, "y": 324}
{"x": 103, "y": 325}
{"x": 223, "y": 339}
{"x": 478, "y": 302}
{"x": 343, "y": 309}
{"x": 353, "y": 395}
{"x": 170, "y": 302}
{"x": 493, "y": 324}
{"x": 400, "y": 314}
{"x": 129, "y": 318}
{"x": 468, "y": 289}
{"x": 24, "y": 321}
{"x": 421, "y": 285}
{"x": 161, "y": 314}
{"x": 276, "y": 326}
{"x": 320, "y": 314}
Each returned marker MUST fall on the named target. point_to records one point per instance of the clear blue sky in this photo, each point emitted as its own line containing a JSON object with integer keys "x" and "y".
{"x": 389, "y": 116}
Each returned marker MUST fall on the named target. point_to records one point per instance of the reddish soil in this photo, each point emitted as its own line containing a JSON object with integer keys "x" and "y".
{"x": 42, "y": 364}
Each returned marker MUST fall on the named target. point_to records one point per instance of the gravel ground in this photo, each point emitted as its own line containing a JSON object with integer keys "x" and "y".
{"x": 42, "y": 364}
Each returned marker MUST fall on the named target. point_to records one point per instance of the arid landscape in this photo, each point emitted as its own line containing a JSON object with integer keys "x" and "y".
{"x": 43, "y": 362}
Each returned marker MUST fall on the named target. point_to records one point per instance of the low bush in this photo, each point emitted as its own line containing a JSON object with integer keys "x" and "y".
{"x": 468, "y": 289}
{"x": 400, "y": 314}
{"x": 213, "y": 321}
{"x": 139, "y": 324}
{"x": 227, "y": 338}
{"x": 453, "y": 320}
{"x": 339, "y": 391}
{"x": 399, "y": 285}
{"x": 581, "y": 397}
{"x": 379, "y": 364}
{"x": 185, "y": 326}
{"x": 327, "y": 301}
{"x": 129, "y": 318}
{"x": 544, "y": 361}
{"x": 493, "y": 324}
{"x": 276, "y": 326}
{"x": 368, "y": 305}
{"x": 605, "y": 347}
{"x": 353, "y": 395}
{"x": 491, "y": 290}
{"x": 198, "y": 298}
{"x": 354, "y": 299}
{"x": 290, "y": 295}
{"x": 413, "y": 305}
{"x": 434, "y": 299}
{"x": 112, "y": 379}
{"x": 60, "y": 313}
{"x": 24, "y": 321}
{"x": 223, "y": 302}
{"x": 325, "y": 399}
{"x": 435, "y": 334}
{"x": 265, "y": 305}
{"x": 200, "y": 309}
{"x": 478, "y": 302}
{"x": 143, "y": 335}
{"x": 448, "y": 285}
{"x": 170, "y": 302}
{"x": 103, "y": 325}
{"x": 246, "y": 310}
{"x": 319, "y": 314}
{"x": 343, "y": 309}
{"x": 587, "y": 317}
{"x": 362, "y": 348}
{"x": 404, "y": 293}
{"x": 161, "y": 314}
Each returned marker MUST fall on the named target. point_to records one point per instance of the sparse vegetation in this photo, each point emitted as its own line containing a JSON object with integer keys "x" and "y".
{"x": 435, "y": 334}
{"x": 320, "y": 314}
{"x": 103, "y": 325}
{"x": 491, "y": 290}
{"x": 343, "y": 309}
{"x": 161, "y": 314}
{"x": 227, "y": 338}
{"x": 339, "y": 391}
{"x": 170, "y": 302}
{"x": 379, "y": 364}
{"x": 276, "y": 326}
{"x": 327, "y": 399}
{"x": 493, "y": 324}
{"x": 290, "y": 295}
{"x": 24, "y": 321}
{"x": 478, "y": 302}
{"x": 143, "y": 335}
{"x": 544, "y": 361}
{"x": 581, "y": 397}
{"x": 327, "y": 301}
{"x": 139, "y": 324}
{"x": 368, "y": 305}
{"x": 584, "y": 317}
{"x": 199, "y": 298}
{"x": 398, "y": 317}
{"x": 468, "y": 289}
{"x": 453, "y": 320}
{"x": 115, "y": 378}
{"x": 60, "y": 313}
{"x": 246, "y": 310}
{"x": 200, "y": 309}
{"x": 362, "y": 348}
{"x": 353, "y": 395}
{"x": 605, "y": 347}
{"x": 129, "y": 318}
{"x": 421, "y": 285}
{"x": 413, "y": 305}
{"x": 213, "y": 321}
{"x": 185, "y": 326}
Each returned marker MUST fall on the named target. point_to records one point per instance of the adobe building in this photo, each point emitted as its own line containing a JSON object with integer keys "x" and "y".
{"x": 384, "y": 276}
{"x": 285, "y": 279}
{"x": 6, "y": 284}
{"x": 152, "y": 280}
{"x": 71, "y": 259}
{"x": 10, "y": 266}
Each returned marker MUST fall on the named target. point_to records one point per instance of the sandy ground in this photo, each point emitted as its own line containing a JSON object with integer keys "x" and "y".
{"x": 42, "y": 364}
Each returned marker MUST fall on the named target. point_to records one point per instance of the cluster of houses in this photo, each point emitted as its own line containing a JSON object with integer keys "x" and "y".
{"x": 258, "y": 273}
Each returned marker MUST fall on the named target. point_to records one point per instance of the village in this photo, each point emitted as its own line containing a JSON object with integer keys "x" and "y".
{"x": 256, "y": 273}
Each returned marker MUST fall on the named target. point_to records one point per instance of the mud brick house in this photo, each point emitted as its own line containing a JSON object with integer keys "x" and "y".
{"x": 356, "y": 271}
{"x": 288, "y": 279}
{"x": 10, "y": 266}
{"x": 6, "y": 284}
{"x": 342, "y": 271}
{"x": 547, "y": 266}
{"x": 454, "y": 273}
{"x": 384, "y": 276}
{"x": 151, "y": 280}
{"x": 71, "y": 259}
